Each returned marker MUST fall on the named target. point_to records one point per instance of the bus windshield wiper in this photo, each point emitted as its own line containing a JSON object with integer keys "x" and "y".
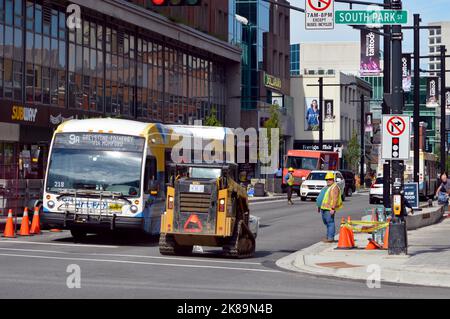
{"x": 92, "y": 193}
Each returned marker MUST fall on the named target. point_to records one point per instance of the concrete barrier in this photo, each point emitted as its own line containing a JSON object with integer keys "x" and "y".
{"x": 428, "y": 216}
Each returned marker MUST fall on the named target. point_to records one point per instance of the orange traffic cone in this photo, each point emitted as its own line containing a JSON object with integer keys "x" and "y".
{"x": 351, "y": 234}
{"x": 386, "y": 238}
{"x": 9, "y": 227}
{"x": 35, "y": 224}
{"x": 372, "y": 245}
{"x": 345, "y": 239}
{"x": 25, "y": 226}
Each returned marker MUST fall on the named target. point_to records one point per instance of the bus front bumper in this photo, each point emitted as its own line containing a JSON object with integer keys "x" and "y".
{"x": 70, "y": 221}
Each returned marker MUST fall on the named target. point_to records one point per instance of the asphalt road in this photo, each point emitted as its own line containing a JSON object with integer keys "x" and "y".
{"x": 131, "y": 267}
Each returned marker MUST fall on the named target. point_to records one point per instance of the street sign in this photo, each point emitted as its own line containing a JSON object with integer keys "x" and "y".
{"x": 319, "y": 14}
{"x": 412, "y": 194}
{"x": 396, "y": 137}
{"x": 371, "y": 17}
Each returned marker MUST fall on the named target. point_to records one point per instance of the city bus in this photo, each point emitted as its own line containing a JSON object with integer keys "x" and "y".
{"x": 428, "y": 173}
{"x": 108, "y": 174}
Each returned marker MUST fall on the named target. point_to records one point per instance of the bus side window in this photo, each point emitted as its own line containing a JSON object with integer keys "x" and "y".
{"x": 150, "y": 175}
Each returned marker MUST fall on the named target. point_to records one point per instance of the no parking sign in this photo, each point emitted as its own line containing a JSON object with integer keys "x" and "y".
{"x": 319, "y": 14}
{"x": 396, "y": 137}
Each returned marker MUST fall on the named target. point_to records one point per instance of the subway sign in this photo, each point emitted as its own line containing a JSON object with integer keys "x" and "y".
{"x": 272, "y": 81}
{"x": 25, "y": 114}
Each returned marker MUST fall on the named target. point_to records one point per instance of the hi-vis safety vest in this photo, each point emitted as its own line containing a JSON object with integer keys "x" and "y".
{"x": 326, "y": 203}
{"x": 291, "y": 180}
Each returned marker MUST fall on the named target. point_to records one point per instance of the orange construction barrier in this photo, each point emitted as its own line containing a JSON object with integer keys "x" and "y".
{"x": 25, "y": 226}
{"x": 35, "y": 224}
{"x": 346, "y": 240}
{"x": 9, "y": 231}
{"x": 372, "y": 245}
{"x": 386, "y": 237}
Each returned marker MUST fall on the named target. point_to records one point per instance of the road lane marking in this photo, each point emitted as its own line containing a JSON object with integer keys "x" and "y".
{"x": 140, "y": 263}
{"x": 132, "y": 256}
{"x": 55, "y": 244}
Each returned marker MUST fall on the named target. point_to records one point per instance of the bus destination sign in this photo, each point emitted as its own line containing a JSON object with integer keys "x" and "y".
{"x": 99, "y": 141}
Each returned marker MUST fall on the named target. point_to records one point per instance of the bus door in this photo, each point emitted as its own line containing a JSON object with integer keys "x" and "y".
{"x": 154, "y": 197}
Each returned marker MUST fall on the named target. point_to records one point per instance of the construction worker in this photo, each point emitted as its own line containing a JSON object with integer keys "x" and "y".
{"x": 332, "y": 202}
{"x": 289, "y": 178}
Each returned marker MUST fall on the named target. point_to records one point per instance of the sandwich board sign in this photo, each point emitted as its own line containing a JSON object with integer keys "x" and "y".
{"x": 396, "y": 139}
{"x": 319, "y": 14}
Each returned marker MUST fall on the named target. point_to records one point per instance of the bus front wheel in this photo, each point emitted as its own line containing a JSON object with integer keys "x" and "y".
{"x": 78, "y": 234}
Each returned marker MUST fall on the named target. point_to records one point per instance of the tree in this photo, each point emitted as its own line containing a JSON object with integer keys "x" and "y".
{"x": 211, "y": 119}
{"x": 353, "y": 152}
{"x": 273, "y": 122}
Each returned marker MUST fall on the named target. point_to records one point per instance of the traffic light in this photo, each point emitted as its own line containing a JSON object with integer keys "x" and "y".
{"x": 396, "y": 4}
{"x": 395, "y": 147}
{"x": 163, "y": 3}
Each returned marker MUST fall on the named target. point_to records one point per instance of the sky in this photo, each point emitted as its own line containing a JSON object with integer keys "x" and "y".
{"x": 429, "y": 10}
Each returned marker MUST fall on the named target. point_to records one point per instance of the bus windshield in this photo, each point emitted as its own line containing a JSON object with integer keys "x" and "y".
{"x": 297, "y": 162}
{"x": 90, "y": 161}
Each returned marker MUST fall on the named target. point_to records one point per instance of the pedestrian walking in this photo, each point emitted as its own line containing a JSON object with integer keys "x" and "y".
{"x": 330, "y": 203}
{"x": 443, "y": 190}
{"x": 289, "y": 178}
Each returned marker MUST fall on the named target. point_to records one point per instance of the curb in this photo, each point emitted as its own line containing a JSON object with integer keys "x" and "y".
{"x": 356, "y": 266}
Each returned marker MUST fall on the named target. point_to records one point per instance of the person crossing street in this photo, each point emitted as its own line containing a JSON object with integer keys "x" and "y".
{"x": 329, "y": 201}
{"x": 289, "y": 178}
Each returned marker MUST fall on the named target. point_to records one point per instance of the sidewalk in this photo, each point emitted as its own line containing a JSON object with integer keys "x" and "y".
{"x": 427, "y": 262}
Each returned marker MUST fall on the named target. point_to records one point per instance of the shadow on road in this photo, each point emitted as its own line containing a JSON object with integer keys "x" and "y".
{"x": 114, "y": 238}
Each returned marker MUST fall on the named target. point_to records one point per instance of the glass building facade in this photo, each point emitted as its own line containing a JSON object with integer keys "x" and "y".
{"x": 295, "y": 59}
{"x": 258, "y": 14}
{"x": 106, "y": 67}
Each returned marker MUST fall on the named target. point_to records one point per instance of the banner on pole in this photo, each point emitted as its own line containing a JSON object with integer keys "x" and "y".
{"x": 406, "y": 72}
{"x": 432, "y": 92}
{"x": 447, "y": 101}
{"x": 370, "y": 53}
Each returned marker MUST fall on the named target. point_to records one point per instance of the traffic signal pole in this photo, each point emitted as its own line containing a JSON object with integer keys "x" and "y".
{"x": 397, "y": 228}
{"x": 416, "y": 113}
{"x": 385, "y": 106}
{"x": 443, "y": 102}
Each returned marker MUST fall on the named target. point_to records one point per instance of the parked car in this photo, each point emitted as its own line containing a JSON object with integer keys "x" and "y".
{"x": 376, "y": 191}
{"x": 315, "y": 181}
{"x": 350, "y": 184}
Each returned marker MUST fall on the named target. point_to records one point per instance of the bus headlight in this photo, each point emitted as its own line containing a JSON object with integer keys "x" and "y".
{"x": 51, "y": 204}
{"x": 134, "y": 209}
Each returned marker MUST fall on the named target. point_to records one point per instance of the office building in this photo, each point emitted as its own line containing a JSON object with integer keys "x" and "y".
{"x": 121, "y": 60}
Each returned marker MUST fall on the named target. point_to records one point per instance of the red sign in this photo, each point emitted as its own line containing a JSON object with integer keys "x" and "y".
{"x": 396, "y": 126}
{"x": 193, "y": 220}
{"x": 319, "y": 5}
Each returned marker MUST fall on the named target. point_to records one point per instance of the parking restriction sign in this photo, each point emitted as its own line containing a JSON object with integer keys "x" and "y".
{"x": 319, "y": 14}
{"x": 396, "y": 140}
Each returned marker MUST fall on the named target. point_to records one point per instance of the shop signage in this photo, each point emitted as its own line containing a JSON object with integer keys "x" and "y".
{"x": 26, "y": 114}
{"x": 272, "y": 81}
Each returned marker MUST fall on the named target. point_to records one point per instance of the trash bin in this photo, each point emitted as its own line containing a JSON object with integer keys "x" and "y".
{"x": 259, "y": 190}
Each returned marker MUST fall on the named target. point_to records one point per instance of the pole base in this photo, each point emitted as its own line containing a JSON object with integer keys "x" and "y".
{"x": 398, "y": 241}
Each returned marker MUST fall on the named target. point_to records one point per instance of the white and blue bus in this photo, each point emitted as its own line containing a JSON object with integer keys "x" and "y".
{"x": 108, "y": 174}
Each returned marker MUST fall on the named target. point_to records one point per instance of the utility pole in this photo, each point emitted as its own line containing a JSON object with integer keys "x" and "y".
{"x": 363, "y": 145}
{"x": 397, "y": 228}
{"x": 385, "y": 106}
{"x": 416, "y": 113}
{"x": 443, "y": 102}
{"x": 320, "y": 113}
